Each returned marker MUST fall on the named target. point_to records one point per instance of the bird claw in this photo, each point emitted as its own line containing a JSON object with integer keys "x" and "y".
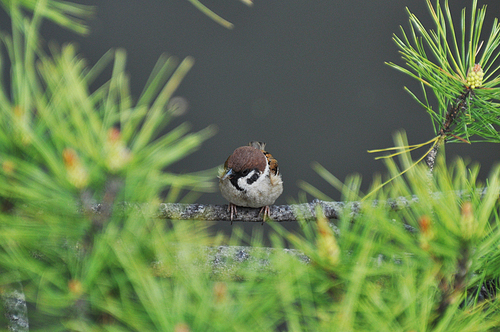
{"x": 232, "y": 211}
{"x": 267, "y": 212}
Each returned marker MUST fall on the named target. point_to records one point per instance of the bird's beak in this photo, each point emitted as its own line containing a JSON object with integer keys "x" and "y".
{"x": 228, "y": 174}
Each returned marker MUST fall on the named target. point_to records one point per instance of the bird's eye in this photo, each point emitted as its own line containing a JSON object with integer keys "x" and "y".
{"x": 245, "y": 172}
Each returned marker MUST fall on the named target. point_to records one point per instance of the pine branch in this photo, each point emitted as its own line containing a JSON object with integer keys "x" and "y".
{"x": 430, "y": 159}
{"x": 278, "y": 213}
{"x": 460, "y": 106}
{"x": 14, "y": 306}
{"x": 282, "y": 213}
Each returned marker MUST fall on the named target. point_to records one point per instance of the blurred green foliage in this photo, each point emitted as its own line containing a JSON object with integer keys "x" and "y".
{"x": 426, "y": 261}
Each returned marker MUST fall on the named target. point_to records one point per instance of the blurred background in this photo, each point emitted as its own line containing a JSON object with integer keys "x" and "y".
{"x": 307, "y": 77}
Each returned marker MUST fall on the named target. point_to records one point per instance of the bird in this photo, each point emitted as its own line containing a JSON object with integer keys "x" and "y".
{"x": 251, "y": 178}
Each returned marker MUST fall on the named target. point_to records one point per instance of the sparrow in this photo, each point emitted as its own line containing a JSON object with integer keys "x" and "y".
{"x": 250, "y": 178}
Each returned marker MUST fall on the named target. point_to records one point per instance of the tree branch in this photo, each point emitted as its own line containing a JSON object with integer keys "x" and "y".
{"x": 278, "y": 213}
{"x": 284, "y": 213}
{"x": 14, "y": 306}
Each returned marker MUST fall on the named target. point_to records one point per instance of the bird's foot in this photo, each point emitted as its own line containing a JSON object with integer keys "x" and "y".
{"x": 265, "y": 210}
{"x": 232, "y": 211}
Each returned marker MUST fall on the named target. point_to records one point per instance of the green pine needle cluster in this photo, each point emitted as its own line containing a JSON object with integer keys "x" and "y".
{"x": 443, "y": 60}
{"x": 216, "y": 18}
{"x": 68, "y": 15}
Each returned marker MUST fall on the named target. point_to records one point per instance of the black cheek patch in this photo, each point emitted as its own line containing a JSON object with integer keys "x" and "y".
{"x": 253, "y": 178}
{"x": 234, "y": 181}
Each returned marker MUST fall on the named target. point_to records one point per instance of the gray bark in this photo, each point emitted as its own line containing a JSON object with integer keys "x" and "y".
{"x": 278, "y": 213}
{"x": 14, "y": 305}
